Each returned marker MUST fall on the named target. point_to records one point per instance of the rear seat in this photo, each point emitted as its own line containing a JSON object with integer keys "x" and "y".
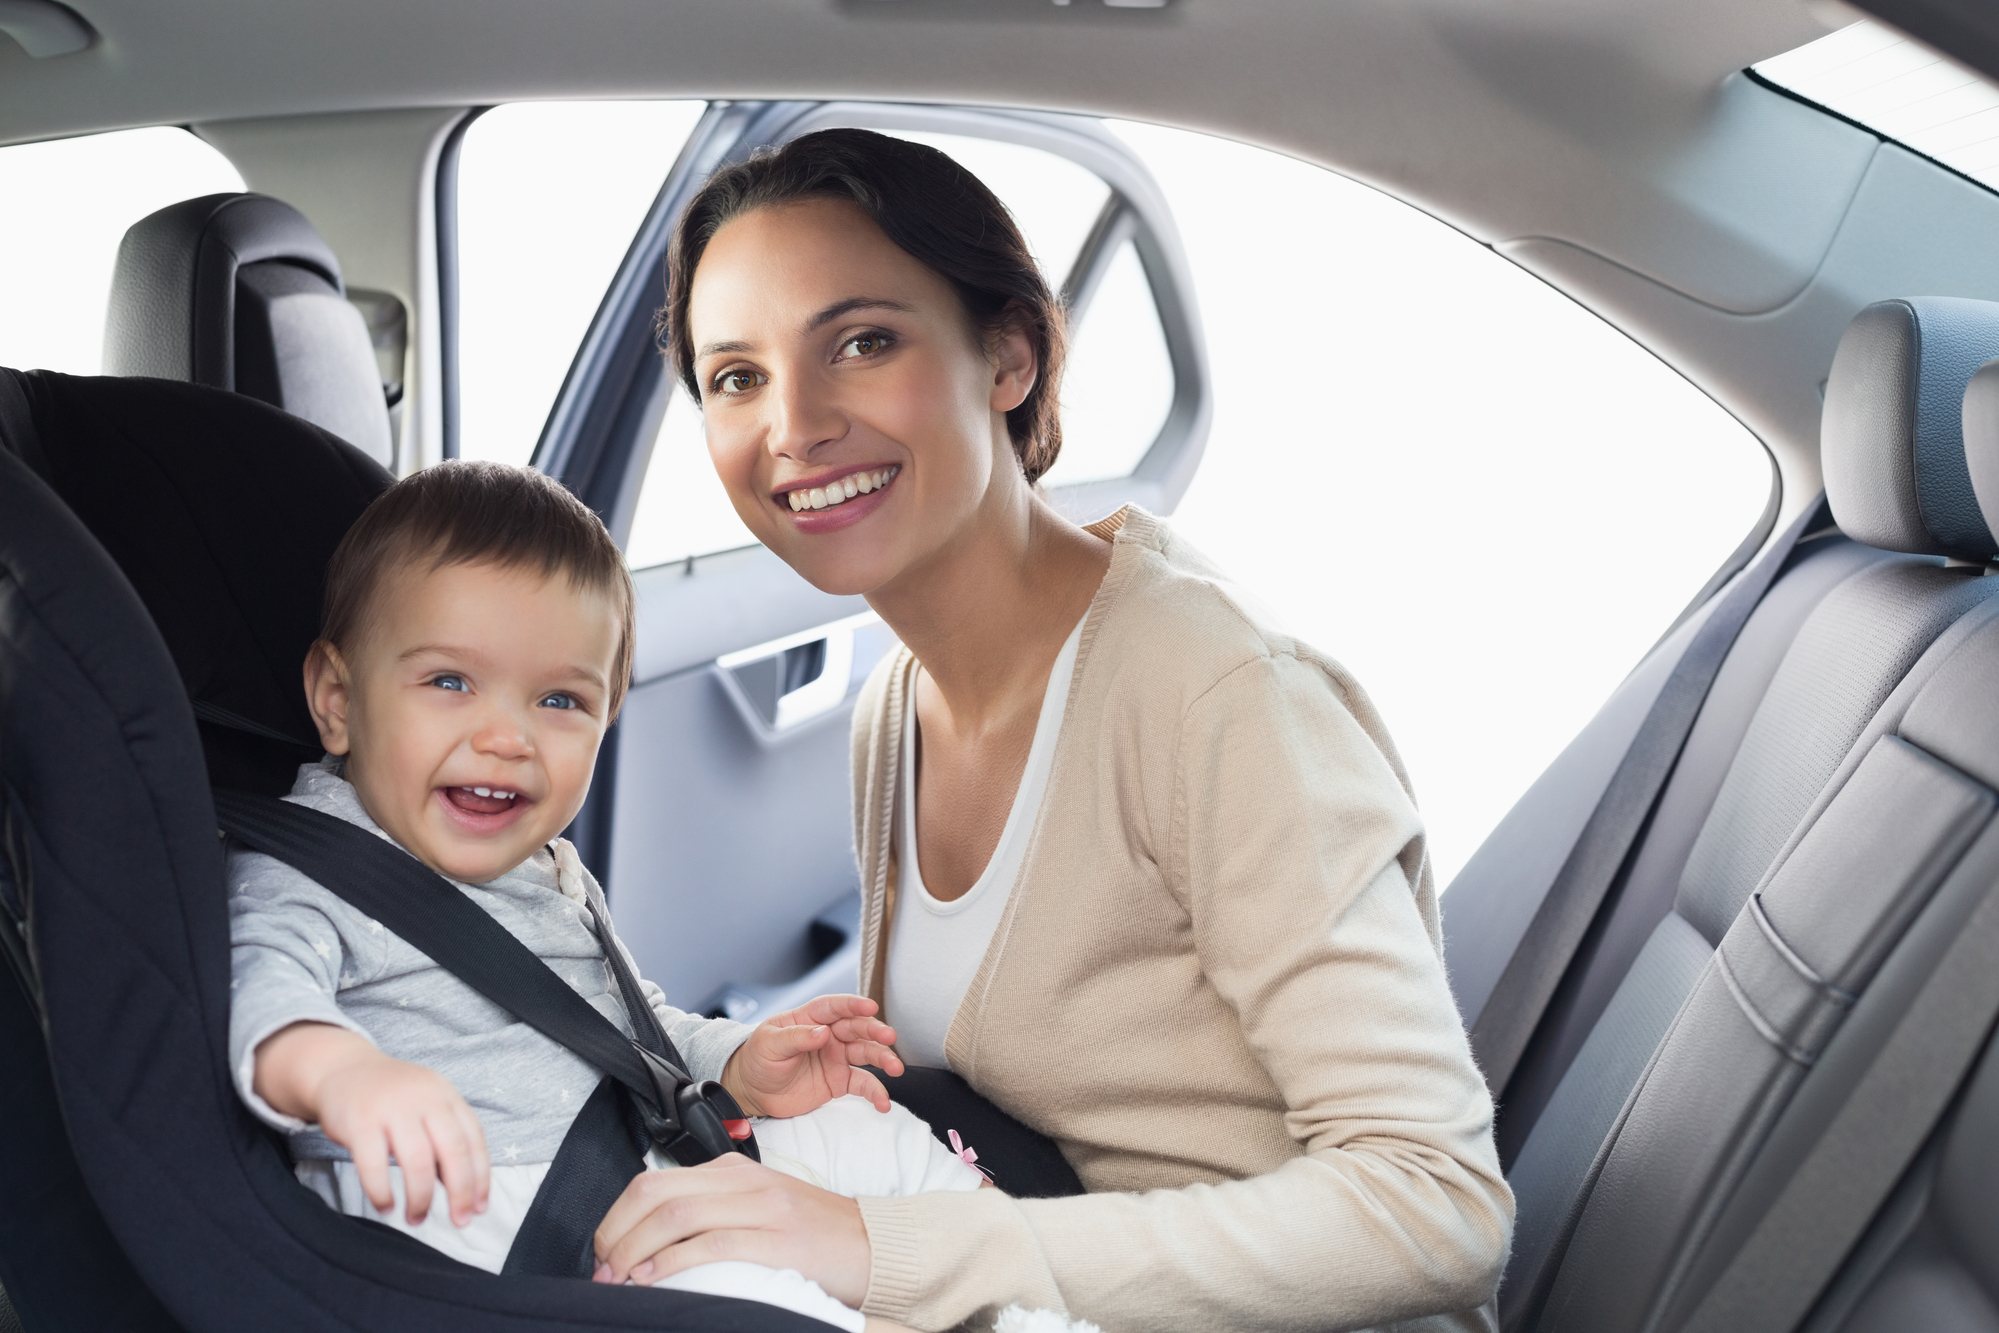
{"x": 1825, "y": 667}
{"x": 1806, "y": 990}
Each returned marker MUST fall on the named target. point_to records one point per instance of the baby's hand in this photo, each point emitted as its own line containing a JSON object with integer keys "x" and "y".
{"x": 373, "y": 1106}
{"x": 806, "y": 1057}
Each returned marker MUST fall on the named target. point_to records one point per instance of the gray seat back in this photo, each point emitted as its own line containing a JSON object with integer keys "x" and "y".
{"x": 1852, "y": 650}
{"x": 239, "y": 292}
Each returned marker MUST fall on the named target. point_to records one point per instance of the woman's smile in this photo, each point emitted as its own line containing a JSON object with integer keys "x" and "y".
{"x": 838, "y": 500}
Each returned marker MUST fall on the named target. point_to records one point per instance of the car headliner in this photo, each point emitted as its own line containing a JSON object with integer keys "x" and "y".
{"x": 1614, "y": 148}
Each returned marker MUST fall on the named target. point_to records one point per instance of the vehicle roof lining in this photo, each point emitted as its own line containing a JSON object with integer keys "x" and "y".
{"x": 1465, "y": 113}
{"x": 1626, "y": 135}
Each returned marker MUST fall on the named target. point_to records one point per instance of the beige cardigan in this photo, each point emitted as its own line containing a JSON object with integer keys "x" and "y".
{"x": 1216, "y": 985}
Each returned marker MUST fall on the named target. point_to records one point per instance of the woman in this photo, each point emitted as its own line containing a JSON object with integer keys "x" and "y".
{"x": 1142, "y": 869}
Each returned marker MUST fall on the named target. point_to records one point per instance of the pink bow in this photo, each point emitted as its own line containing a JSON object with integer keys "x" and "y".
{"x": 966, "y": 1155}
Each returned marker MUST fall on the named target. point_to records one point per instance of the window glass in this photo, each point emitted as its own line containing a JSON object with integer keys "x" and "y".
{"x": 1901, "y": 89}
{"x": 69, "y": 204}
{"x": 550, "y": 195}
{"x": 1483, "y": 500}
{"x": 1118, "y": 384}
{"x": 683, "y": 509}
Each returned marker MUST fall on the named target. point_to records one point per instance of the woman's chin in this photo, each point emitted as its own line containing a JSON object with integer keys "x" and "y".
{"x": 842, "y": 582}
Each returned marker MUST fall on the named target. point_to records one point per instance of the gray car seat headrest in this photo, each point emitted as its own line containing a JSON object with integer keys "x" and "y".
{"x": 1892, "y": 442}
{"x": 239, "y": 292}
{"x": 1981, "y": 435}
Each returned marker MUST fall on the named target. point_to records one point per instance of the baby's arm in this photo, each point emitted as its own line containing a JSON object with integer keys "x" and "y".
{"x": 373, "y": 1106}
{"x": 297, "y": 1059}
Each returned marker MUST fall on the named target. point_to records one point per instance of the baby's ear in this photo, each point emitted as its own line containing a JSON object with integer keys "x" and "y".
{"x": 327, "y": 694}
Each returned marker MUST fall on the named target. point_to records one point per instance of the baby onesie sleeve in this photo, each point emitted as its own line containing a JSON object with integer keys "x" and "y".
{"x": 286, "y": 957}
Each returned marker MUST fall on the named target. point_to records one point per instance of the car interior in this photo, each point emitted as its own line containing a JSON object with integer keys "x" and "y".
{"x": 1730, "y": 964}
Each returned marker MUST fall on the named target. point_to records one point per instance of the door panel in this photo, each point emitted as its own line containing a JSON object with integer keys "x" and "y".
{"x": 737, "y": 837}
{"x": 720, "y": 809}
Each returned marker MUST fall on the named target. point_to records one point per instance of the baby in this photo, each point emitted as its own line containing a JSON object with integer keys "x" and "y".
{"x": 477, "y": 643}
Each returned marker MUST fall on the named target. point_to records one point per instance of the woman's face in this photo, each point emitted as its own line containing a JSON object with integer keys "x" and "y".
{"x": 850, "y": 408}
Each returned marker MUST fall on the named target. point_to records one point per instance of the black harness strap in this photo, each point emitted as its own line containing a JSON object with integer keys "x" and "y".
{"x": 604, "y": 1148}
{"x": 605, "y": 1145}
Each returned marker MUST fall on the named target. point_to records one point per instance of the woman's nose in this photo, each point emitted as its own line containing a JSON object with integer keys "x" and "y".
{"x": 804, "y": 415}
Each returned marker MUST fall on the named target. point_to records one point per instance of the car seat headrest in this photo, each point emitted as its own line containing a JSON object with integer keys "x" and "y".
{"x": 1981, "y": 435}
{"x": 239, "y": 292}
{"x": 1892, "y": 442}
{"x": 222, "y": 513}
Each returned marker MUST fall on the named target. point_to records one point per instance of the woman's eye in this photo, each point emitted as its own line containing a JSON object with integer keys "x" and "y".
{"x": 869, "y": 343}
{"x": 449, "y": 681}
{"x": 731, "y": 382}
{"x": 560, "y": 699}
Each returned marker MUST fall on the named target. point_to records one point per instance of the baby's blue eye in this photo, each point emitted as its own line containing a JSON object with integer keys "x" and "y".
{"x": 448, "y": 681}
{"x": 560, "y": 700}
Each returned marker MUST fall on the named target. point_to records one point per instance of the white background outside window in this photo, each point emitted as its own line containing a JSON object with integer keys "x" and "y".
{"x": 69, "y": 203}
{"x": 1483, "y": 500}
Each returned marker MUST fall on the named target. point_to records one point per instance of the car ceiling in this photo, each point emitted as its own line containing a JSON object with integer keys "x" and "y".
{"x": 1480, "y": 112}
{"x": 1594, "y": 141}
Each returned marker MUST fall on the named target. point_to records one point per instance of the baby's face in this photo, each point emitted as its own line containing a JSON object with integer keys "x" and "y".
{"x": 465, "y": 680}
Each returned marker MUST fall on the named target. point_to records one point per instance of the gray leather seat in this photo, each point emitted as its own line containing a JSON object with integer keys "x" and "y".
{"x": 1614, "y": 1213}
{"x": 239, "y": 292}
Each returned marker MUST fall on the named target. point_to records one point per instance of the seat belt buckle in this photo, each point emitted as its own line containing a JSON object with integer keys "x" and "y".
{"x": 692, "y": 1122}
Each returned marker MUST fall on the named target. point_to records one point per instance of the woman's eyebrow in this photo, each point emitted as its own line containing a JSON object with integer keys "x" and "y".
{"x": 851, "y": 304}
{"x": 832, "y": 312}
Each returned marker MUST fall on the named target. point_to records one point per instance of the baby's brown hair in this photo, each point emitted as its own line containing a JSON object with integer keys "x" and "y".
{"x": 463, "y": 512}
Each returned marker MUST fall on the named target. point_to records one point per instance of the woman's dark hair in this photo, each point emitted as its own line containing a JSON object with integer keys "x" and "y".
{"x": 926, "y": 203}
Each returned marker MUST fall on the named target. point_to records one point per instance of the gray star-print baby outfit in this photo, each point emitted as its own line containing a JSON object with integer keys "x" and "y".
{"x": 301, "y": 953}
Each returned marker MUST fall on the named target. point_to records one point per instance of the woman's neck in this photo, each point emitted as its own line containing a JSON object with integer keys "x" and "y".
{"x": 988, "y": 614}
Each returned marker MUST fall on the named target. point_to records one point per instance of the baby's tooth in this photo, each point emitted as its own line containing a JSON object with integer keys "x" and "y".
{"x": 482, "y": 791}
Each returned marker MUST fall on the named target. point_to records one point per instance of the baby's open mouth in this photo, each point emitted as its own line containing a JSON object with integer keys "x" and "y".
{"x": 481, "y": 800}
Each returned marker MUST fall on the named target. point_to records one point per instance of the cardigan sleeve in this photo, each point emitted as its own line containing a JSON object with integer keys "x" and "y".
{"x": 1288, "y": 829}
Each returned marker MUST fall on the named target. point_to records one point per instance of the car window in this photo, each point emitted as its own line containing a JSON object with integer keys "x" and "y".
{"x": 549, "y": 197}
{"x": 1481, "y": 498}
{"x": 1118, "y": 390}
{"x": 1900, "y": 88}
{"x": 70, "y": 202}
{"x": 1117, "y": 387}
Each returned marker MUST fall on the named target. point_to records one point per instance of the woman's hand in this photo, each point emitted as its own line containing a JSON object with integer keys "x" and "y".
{"x": 734, "y": 1208}
{"x": 807, "y": 1056}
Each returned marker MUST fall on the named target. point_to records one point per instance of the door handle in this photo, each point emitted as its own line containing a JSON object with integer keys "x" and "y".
{"x": 786, "y": 683}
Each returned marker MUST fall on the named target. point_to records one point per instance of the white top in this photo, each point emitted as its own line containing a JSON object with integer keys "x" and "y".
{"x": 935, "y": 947}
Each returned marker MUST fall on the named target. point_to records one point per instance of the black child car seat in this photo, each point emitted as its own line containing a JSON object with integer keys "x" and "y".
{"x": 216, "y": 514}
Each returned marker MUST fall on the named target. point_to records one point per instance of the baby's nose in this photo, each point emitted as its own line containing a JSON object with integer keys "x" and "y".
{"x": 505, "y": 736}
